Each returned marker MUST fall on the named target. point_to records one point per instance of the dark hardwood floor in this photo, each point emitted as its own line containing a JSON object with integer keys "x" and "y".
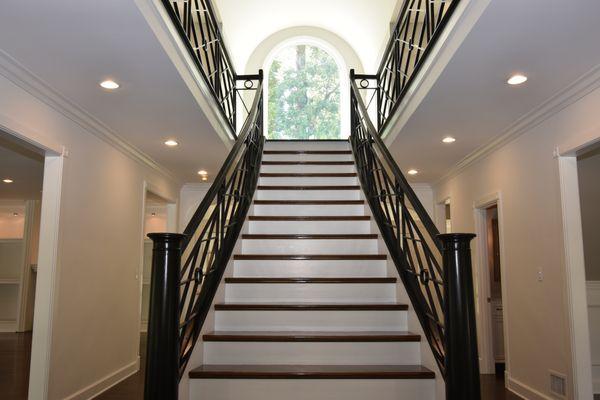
{"x": 15, "y": 355}
{"x": 15, "y": 351}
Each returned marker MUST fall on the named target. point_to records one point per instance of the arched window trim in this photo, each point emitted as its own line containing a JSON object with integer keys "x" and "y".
{"x": 342, "y": 69}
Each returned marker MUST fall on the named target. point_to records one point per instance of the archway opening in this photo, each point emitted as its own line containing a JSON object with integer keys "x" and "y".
{"x": 305, "y": 82}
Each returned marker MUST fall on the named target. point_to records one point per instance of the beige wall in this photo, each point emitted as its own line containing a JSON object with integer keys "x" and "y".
{"x": 95, "y": 311}
{"x": 588, "y": 170}
{"x": 525, "y": 172}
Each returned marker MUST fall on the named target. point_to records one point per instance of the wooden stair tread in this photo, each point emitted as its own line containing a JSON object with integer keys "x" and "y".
{"x": 310, "y": 336}
{"x": 330, "y": 236}
{"x": 310, "y": 307}
{"x": 311, "y": 372}
{"x": 308, "y": 163}
{"x": 310, "y": 257}
{"x": 309, "y": 217}
{"x": 309, "y": 280}
{"x": 310, "y": 187}
{"x": 308, "y": 202}
{"x": 308, "y": 175}
{"x": 307, "y": 152}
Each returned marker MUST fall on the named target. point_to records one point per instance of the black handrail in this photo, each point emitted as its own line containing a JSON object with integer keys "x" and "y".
{"x": 417, "y": 29}
{"x": 178, "y": 307}
{"x": 197, "y": 26}
{"x": 435, "y": 269}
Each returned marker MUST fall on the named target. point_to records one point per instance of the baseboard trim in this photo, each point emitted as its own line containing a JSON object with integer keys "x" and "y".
{"x": 106, "y": 382}
{"x": 524, "y": 391}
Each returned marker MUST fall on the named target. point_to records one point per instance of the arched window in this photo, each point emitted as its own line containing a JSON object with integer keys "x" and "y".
{"x": 303, "y": 94}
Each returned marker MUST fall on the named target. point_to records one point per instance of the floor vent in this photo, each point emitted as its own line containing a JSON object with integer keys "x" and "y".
{"x": 558, "y": 385}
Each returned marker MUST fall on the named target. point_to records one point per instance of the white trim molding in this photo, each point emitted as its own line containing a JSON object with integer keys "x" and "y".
{"x": 28, "y": 81}
{"x": 524, "y": 391}
{"x": 581, "y": 87}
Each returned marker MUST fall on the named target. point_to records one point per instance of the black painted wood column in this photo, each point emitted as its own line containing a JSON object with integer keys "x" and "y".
{"x": 462, "y": 360}
{"x": 162, "y": 360}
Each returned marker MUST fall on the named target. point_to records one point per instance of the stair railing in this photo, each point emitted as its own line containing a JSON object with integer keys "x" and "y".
{"x": 198, "y": 27}
{"x": 417, "y": 29}
{"x": 187, "y": 268}
{"x": 435, "y": 269}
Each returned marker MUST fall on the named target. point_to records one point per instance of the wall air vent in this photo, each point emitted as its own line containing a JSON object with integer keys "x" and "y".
{"x": 558, "y": 385}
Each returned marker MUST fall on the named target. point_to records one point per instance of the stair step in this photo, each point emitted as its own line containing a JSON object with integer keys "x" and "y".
{"x": 309, "y": 218}
{"x": 295, "y": 227}
{"x": 309, "y": 307}
{"x": 307, "y": 152}
{"x": 309, "y": 336}
{"x": 308, "y": 202}
{"x": 310, "y": 236}
{"x": 308, "y": 162}
{"x": 309, "y": 175}
{"x": 310, "y": 257}
{"x": 312, "y": 187}
{"x": 314, "y": 268}
{"x": 235, "y": 280}
{"x": 311, "y": 372}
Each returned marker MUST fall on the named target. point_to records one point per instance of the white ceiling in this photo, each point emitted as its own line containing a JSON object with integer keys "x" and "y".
{"x": 72, "y": 45}
{"x": 24, "y": 166}
{"x": 364, "y": 24}
{"x": 553, "y": 42}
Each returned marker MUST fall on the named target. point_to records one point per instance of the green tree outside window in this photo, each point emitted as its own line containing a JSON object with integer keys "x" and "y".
{"x": 304, "y": 95}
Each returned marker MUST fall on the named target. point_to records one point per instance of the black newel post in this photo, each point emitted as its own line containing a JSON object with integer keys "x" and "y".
{"x": 462, "y": 360}
{"x": 162, "y": 357}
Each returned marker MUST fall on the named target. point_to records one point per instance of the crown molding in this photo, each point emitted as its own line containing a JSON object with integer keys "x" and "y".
{"x": 580, "y": 88}
{"x": 28, "y": 81}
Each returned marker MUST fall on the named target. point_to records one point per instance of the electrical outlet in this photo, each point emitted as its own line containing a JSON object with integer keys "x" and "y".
{"x": 540, "y": 275}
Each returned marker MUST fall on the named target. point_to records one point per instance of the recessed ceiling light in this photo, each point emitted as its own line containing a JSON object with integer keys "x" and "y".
{"x": 110, "y": 85}
{"x": 7, "y": 180}
{"x": 517, "y": 79}
{"x": 204, "y": 178}
{"x": 448, "y": 139}
{"x": 202, "y": 172}
{"x": 412, "y": 172}
{"x": 171, "y": 143}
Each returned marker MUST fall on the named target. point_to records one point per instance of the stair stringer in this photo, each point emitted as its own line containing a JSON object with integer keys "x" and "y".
{"x": 209, "y": 324}
{"x": 414, "y": 325}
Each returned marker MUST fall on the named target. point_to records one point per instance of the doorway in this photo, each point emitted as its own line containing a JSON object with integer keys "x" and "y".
{"x": 489, "y": 291}
{"x": 495, "y": 284}
{"x": 21, "y": 178}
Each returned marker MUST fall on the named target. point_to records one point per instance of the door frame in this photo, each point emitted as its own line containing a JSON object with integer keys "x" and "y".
{"x": 483, "y": 284}
{"x": 575, "y": 287}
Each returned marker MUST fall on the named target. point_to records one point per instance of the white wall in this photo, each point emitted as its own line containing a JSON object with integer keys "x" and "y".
{"x": 93, "y": 338}
{"x": 525, "y": 173}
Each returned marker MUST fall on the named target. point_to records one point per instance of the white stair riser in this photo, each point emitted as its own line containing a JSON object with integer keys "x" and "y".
{"x": 358, "y": 293}
{"x": 313, "y": 389}
{"x": 307, "y": 168}
{"x": 307, "y": 145}
{"x": 307, "y": 194}
{"x": 308, "y": 227}
{"x": 308, "y": 209}
{"x": 335, "y": 353}
{"x": 309, "y": 246}
{"x": 310, "y": 268}
{"x": 250, "y": 320}
{"x": 308, "y": 157}
{"x": 307, "y": 181}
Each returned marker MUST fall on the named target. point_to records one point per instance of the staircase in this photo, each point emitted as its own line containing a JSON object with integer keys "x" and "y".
{"x": 311, "y": 306}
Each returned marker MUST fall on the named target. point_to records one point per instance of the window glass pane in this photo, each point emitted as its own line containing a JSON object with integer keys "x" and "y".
{"x": 304, "y": 95}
